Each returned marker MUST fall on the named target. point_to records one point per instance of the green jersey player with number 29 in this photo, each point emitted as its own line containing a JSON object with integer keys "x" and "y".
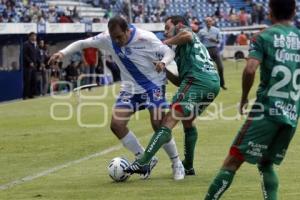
{"x": 265, "y": 136}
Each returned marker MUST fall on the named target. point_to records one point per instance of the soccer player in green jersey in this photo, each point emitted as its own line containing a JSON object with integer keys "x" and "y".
{"x": 265, "y": 136}
{"x": 199, "y": 86}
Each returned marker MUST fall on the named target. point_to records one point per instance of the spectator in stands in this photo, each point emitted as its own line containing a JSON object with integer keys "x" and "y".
{"x": 40, "y": 70}
{"x": 48, "y": 69}
{"x": 55, "y": 75}
{"x": 34, "y": 12}
{"x": 43, "y": 67}
{"x": 72, "y": 74}
{"x": 90, "y": 61}
{"x": 232, "y": 15}
{"x": 40, "y": 19}
{"x": 242, "y": 39}
{"x": 52, "y": 15}
{"x": 30, "y": 63}
{"x": 210, "y": 36}
{"x": 99, "y": 68}
{"x": 261, "y": 14}
{"x": 75, "y": 14}
{"x": 218, "y": 13}
{"x": 64, "y": 19}
{"x": 243, "y": 17}
{"x": 254, "y": 14}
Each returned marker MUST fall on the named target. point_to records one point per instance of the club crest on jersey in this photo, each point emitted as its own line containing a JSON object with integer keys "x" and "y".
{"x": 121, "y": 55}
{"x": 157, "y": 94}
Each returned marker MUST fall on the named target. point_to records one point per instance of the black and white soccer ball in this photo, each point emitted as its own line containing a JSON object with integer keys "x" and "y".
{"x": 116, "y": 169}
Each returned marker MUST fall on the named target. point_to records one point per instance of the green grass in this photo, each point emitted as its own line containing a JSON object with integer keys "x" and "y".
{"x": 31, "y": 142}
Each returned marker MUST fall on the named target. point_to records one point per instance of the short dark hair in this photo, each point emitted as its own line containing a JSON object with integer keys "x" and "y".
{"x": 117, "y": 21}
{"x": 31, "y": 33}
{"x": 175, "y": 19}
{"x": 282, "y": 10}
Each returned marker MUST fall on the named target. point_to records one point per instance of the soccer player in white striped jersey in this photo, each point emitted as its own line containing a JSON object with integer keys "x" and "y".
{"x": 141, "y": 57}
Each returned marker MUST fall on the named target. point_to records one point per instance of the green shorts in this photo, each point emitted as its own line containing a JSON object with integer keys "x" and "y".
{"x": 193, "y": 96}
{"x": 262, "y": 140}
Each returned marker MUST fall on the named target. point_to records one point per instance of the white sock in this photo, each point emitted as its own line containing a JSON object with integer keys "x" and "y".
{"x": 171, "y": 150}
{"x": 131, "y": 143}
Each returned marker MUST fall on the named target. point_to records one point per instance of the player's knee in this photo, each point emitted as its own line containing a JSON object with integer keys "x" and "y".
{"x": 115, "y": 127}
{"x": 188, "y": 124}
{"x": 232, "y": 163}
{"x": 155, "y": 125}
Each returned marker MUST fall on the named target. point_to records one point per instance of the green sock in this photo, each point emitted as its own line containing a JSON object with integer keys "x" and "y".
{"x": 160, "y": 137}
{"x": 269, "y": 181}
{"x": 220, "y": 184}
{"x": 190, "y": 139}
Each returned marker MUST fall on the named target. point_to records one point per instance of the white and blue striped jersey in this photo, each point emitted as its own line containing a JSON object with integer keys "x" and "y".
{"x": 135, "y": 59}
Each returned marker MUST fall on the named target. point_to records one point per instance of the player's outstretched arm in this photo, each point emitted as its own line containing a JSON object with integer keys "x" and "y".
{"x": 247, "y": 81}
{"x": 92, "y": 42}
{"x": 180, "y": 38}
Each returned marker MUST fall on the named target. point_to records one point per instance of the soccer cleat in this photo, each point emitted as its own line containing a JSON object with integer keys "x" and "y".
{"x": 190, "y": 172}
{"x": 153, "y": 163}
{"x": 178, "y": 171}
{"x": 144, "y": 170}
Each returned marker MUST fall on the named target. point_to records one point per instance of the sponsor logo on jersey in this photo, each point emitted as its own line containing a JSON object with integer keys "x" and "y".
{"x": 142, "y": 47}
{"x": 283, "y": 56}
{"x": 291, "y": 41}
{"x": 142, "y": 40}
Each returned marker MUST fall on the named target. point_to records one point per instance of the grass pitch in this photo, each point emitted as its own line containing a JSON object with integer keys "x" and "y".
{"x": 59, "y": 160}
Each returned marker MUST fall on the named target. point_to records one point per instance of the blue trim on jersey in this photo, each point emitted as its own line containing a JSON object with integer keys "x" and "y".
{"x": 138, "y": 76}
{"x": 132, "y": 33}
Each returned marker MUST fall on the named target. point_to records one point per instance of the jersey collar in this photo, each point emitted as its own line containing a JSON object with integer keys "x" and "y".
{"x": 132, "y": 34}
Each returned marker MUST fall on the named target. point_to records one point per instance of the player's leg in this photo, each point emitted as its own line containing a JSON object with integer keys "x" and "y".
{"x": 276, "y": 153}
{"x": 198, "y": 98}
{"x": 224, "y": 178}
{"x": 119, "y": 127}
{"x": 125, "y": 106}
{"x": 156, "y": 115}
{"x": 269, "y": 180}
{"x": 251, "y": 144}
{"x": 162, "y": 136}
{"x": 190, "y": 140}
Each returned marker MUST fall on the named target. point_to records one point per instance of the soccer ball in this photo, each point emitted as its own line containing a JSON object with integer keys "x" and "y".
{"x": 116, "y": 169}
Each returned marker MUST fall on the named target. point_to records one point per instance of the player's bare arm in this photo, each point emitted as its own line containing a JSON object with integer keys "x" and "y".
{"x": 247, "y": 81}
{"x": 74, "y": 47}
{"x": 182, "y": 37}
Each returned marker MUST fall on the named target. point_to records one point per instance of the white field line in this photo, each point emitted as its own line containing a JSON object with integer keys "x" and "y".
{"x": 71, "y": 163}
{"x": 59, "y": 167}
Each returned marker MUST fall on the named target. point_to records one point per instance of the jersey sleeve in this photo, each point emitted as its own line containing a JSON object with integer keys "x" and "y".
{"x": 99, "y": 42}
{"x": 160, "y": 51}
{"x": 256, "y": 48}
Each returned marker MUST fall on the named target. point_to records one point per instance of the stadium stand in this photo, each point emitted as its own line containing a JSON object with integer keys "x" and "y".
{"x": 229, "y": 13}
